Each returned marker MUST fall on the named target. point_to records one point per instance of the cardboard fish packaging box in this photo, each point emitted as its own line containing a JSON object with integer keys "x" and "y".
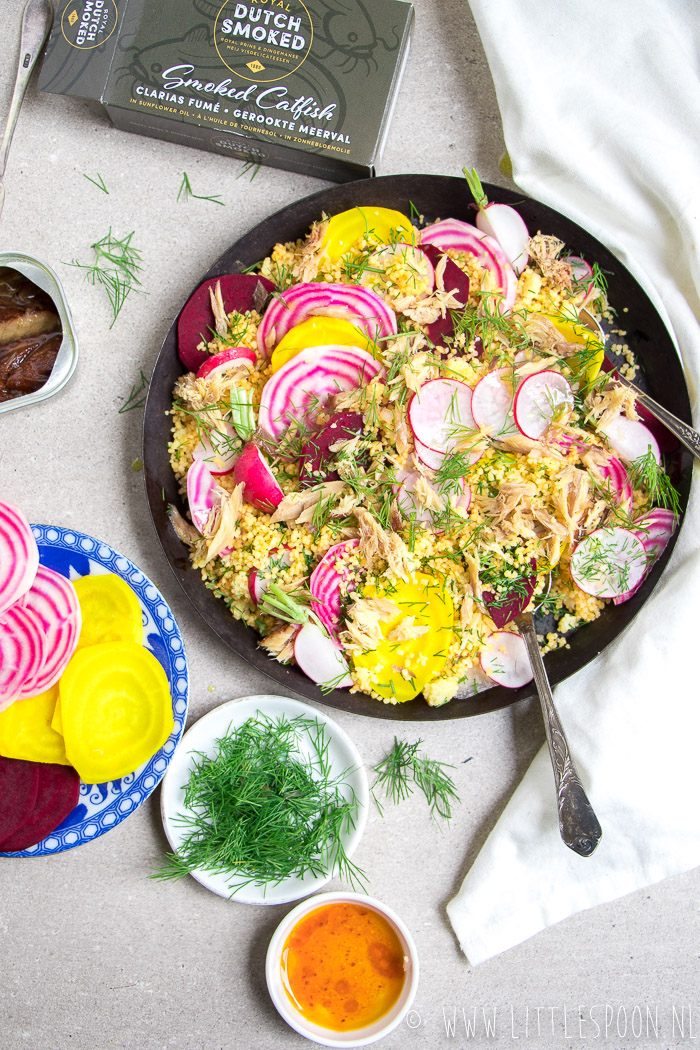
{"x": 309, "y": 86}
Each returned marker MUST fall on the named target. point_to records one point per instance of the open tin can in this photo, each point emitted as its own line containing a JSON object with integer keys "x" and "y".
{"x": 45, "y": 280}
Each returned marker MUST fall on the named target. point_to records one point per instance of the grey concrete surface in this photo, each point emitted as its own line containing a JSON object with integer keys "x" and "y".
{"x": 93, "y": 954}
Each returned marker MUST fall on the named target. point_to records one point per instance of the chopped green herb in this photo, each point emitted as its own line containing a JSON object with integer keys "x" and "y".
{"x": 186, "y": 191}
{"x": 406, "y": 767}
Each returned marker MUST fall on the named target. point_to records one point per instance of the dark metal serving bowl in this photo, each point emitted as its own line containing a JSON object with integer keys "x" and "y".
{"x": 433, "y": 196}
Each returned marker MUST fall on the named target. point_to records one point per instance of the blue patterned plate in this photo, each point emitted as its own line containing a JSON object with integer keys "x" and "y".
{"x": 102, "y": 806}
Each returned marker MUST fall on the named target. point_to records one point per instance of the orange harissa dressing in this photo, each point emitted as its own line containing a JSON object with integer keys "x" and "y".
{"x": 343, "y": 966}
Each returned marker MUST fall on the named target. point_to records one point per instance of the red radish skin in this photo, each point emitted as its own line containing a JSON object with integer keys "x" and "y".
{"x": 261, "y": 488}
{"x": 19, "y": 786}
{"x": 326, "y": 585}
{"x": 22, "y": 650}
{"x": 504, "y": 659}
{"x": 305, "y": 382}
{"x": 54, "y": 602}
{"x": 226, "y": 359}
{"x": 538, "y": 399}
{"x": 19, "y": 555}
{"x": 240, "y": 291}
{"x": 631, "y": 439}
{"x": 320, "y": 658}
{"x": 58, "y": 792}
{"x": 367, "y": 310}
{"x": 609, "y": 562}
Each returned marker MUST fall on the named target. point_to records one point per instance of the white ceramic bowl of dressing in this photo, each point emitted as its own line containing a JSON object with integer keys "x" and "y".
{"x": 282, "y": 994}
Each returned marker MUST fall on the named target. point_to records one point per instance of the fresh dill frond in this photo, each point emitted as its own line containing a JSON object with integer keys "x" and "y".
{"x": 648, "y": 474}
{"x": 100, "y": 184}
{"x": 134, "y": 400}
{"x": 404, "y": 768}
{"x": 186, "y": 191}
{"x": 116, "y": 267}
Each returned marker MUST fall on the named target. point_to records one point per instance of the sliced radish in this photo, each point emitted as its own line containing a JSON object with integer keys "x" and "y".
{"x": 259, "y": 579}
{"x": 320, "y": 658}
{"x": 654, "y": 531}
{"x": 219, "y": 448}
{"x": 241, "y": 292}
{"x": 232, "y": 357}
{"x": 261, "y": 488}
{"x": 539, "y": 399}
{"x": 608, "y": 562}
{"x": 305, "y": 382}
{"x": 326, "y": 585}
{"x": 203, "y": 494}
{"x": 507, "y": 228}
{"x": 21, "y": 651}
{"x": 631, "y": 439}
{"x": 19, "y": 555}
{"x": 351, "y": 302}
{"x": 411, "y": 507}
{"x": 504, "y": 659}
{"x": 54, "y": 602}
{"x": 492, "y": 402}
{"x": 440, "y": 414}
{"x": 501, "y": 222}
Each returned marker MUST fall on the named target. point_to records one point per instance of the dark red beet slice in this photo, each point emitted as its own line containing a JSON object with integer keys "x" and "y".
{"x": 240, "y": 292}
{"x": 315, "y": 453}
{"x": 455, "y": 280}
{"x": 19, "y": 786}
{"x": 506, "y": 609}
{"x": 58, "y": 793}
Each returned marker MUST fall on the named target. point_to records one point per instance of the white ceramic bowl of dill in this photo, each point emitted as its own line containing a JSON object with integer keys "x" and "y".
{"x": 265, "y": 801}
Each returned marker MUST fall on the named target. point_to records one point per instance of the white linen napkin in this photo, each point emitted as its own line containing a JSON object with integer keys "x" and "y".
{"x": 601, "y": 116}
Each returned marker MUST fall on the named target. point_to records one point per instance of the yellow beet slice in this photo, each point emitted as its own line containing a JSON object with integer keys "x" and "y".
{"x": 319, "y": 331}
{"x": 57, "y": 721}
{"x": 111, "y": 610}
{"x": 26, "y": 730}
{"x": 379, "y": 225}
{"x": 116, "y": 709}
{"x": 400, "y": 669}
{"x": 590, "y": 358}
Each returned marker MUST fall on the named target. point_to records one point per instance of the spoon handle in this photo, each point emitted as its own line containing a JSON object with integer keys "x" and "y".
{"x": 578, "y": 824}
{"x": 685, "y": 434}
{"x": 36, "y": 22}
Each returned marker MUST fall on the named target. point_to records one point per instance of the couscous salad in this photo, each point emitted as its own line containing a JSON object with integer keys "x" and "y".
{"x": 393, "y": 437}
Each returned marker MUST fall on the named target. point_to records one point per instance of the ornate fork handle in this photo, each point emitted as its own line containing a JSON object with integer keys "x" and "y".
{"x": 578, "y": 824}
{"x": 685, "y": 434}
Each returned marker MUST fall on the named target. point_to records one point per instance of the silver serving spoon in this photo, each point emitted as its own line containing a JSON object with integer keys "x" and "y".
{"x": 685, "y": 434}
{"x": 36, "y": 22}
{"x": 578, "y": 824}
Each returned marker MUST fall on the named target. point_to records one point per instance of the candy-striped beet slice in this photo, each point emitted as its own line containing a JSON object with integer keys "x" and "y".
{"x": 19, "y": 555}
{"x": 53, "y": 600}
{"x": 504, "y": 659}
{"x": 21, "y": 651}
{"x": 326, "y": 585}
